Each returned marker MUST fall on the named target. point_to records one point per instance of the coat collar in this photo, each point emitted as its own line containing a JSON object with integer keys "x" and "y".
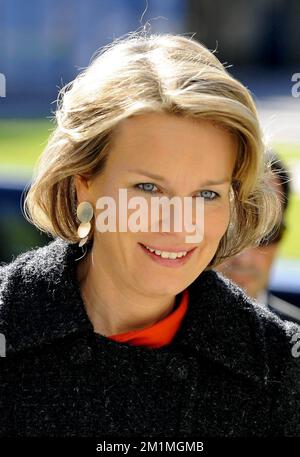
{"x": 40, "y": 301}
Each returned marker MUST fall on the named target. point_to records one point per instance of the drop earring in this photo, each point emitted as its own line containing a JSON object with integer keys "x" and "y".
{"x": 85, "y": 213}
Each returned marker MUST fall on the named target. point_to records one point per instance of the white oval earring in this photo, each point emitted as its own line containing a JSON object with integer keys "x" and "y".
{"x": 85, "y": 213}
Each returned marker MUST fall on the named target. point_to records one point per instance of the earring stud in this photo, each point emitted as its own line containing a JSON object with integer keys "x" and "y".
{"x": 85, "y": 213}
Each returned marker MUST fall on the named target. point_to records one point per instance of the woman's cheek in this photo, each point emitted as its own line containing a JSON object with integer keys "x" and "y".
{"x": 216, "y": 221}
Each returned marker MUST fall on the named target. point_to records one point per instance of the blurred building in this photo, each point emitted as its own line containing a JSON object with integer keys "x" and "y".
{"x": 45, "y": 43}
{"x": 256, "y": 32}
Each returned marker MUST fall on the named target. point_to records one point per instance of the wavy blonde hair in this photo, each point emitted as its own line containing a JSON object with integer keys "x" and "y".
{"x": 137, "y": 74}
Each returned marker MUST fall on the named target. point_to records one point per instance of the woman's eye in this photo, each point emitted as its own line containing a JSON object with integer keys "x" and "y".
{"x": 209, "y": 194}
{"x": 147, "y": 187}
{"x": 152, "y": 188}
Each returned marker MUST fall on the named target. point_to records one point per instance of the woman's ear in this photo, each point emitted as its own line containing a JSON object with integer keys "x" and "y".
{"x": 82, "y": 188}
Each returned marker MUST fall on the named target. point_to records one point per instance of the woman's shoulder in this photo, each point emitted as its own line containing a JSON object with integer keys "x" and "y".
{"x": 20, "y": 269}
{"x": 252, "y": 340}
{"x": 29, "y": 258}
{"x": 22, "y": 272}
{"x": 228, "y": 301}
{"x": 277, "y": 330}
{"x": 241, "y": 333}
{"x": 33, "y": 293}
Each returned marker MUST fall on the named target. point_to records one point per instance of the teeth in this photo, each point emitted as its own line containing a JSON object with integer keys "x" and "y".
{"x": 167, "y": 255}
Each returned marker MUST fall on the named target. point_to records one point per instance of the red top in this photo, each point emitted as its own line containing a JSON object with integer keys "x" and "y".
{"x": 159, "y": 334}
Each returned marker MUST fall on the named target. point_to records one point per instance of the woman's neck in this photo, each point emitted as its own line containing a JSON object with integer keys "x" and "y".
{"x": 111, "y": 305}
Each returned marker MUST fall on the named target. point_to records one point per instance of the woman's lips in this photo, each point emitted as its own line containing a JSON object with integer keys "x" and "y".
{"x": 168, "y": 262}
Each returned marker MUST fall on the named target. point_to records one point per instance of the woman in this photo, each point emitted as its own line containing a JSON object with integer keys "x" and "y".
{"x": 128, "y": 332}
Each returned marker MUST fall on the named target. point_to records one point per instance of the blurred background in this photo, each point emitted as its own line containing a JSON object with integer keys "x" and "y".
{"x": 45, "y": 43}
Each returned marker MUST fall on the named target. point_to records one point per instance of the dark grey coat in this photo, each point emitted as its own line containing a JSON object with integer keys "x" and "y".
{"x": 230, "y": 371}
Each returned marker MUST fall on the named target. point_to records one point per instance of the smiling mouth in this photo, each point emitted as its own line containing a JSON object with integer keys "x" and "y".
{"x": 170, "y": 258}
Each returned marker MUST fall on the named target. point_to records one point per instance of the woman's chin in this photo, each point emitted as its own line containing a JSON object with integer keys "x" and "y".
{"x": 159, "y": 286}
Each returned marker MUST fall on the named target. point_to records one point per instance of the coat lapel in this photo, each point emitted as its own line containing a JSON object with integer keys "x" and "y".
{"x": 42, "y": 302}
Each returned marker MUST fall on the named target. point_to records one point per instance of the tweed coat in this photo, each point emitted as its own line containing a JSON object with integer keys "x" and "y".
{"x": 232, "y": 370}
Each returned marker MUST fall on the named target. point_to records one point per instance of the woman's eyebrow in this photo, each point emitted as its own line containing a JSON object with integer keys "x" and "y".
{"x": 210, "y": 182}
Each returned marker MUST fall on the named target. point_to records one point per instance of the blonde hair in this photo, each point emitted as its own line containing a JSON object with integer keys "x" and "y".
{"x": 134, "y": 75}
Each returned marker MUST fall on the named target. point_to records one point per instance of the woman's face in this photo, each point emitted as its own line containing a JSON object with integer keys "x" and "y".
{"x": 185, "y": 154}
